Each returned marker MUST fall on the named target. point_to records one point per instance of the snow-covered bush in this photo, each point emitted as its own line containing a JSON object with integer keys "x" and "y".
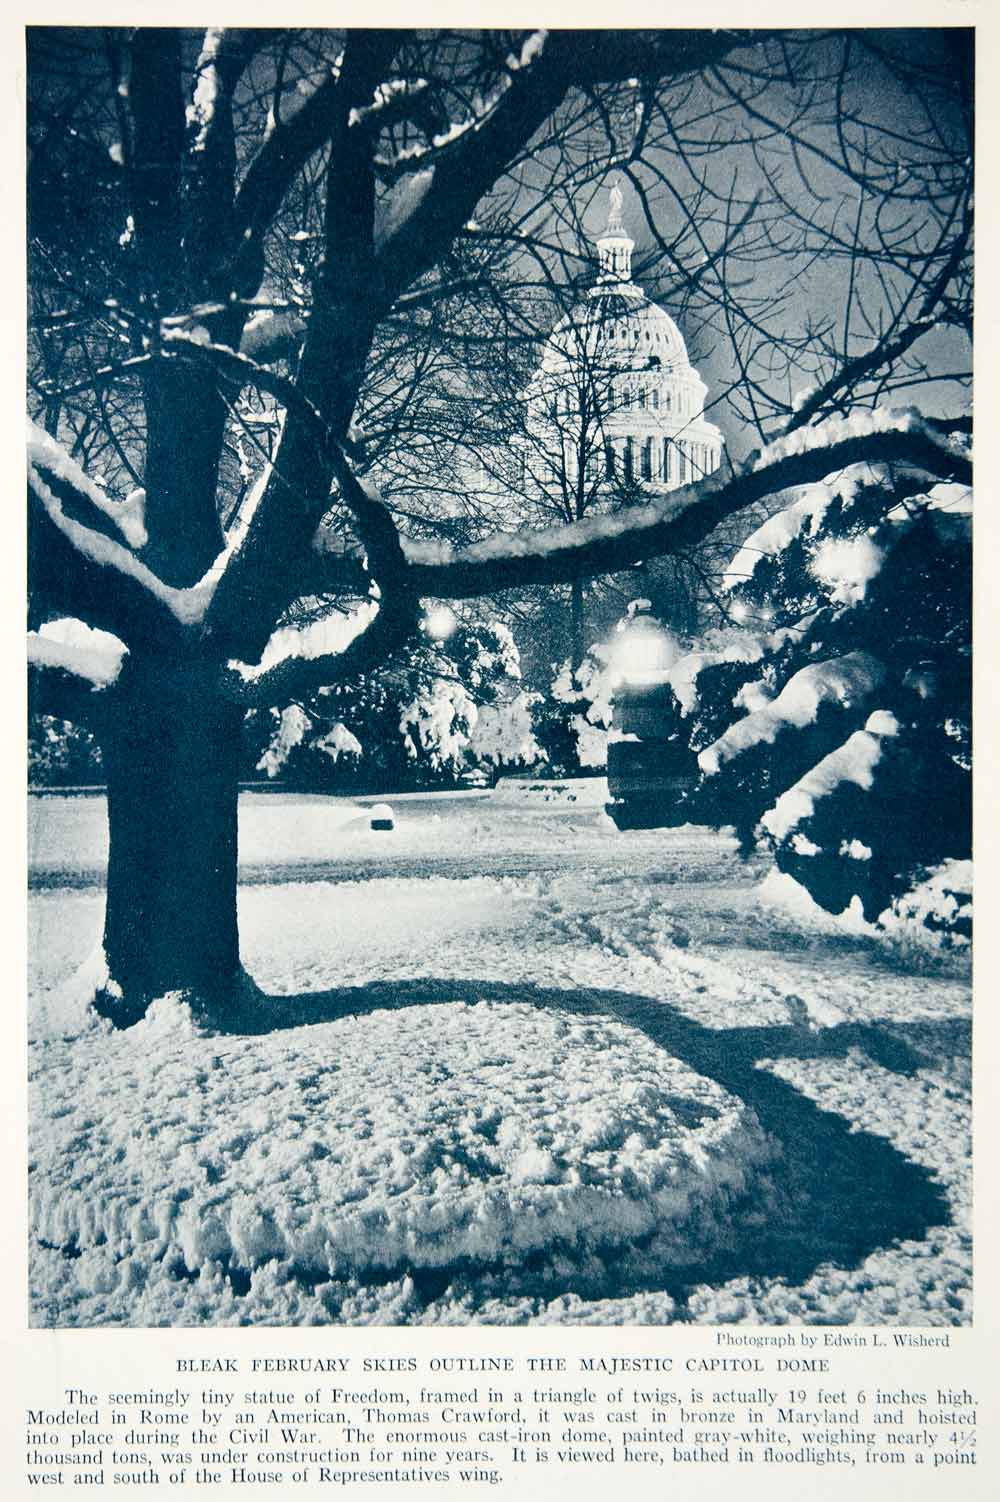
{"x": 478, "y": 713}
{"x": 61, "y": 753}
{"x": 447, "y": 706}
{"x": 438, "y": 723}
{"x": 833, "y": 724}
{"x": 338, "y": 741}
{"x": 940, "y": 904}
{"x": 586, "y": 699}
{"x": 292, "y": 727}
{"x": 504, "y": 734}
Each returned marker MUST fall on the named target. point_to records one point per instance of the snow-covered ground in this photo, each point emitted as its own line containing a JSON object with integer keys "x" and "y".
{"x": 503, "y": 1064}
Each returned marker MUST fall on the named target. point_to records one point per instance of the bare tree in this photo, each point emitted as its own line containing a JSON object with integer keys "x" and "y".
{"x": 214, "y": 160}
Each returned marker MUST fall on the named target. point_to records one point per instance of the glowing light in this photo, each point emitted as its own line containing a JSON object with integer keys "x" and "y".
{"x": 642, "y": 654}
{"x": 439, "y": 622}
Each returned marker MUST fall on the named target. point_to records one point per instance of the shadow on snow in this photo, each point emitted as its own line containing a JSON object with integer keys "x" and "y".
{"x": 848, "y": 1192}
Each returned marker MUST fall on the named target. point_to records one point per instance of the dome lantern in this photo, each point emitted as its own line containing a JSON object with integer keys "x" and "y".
{"x": 615, "y": 247}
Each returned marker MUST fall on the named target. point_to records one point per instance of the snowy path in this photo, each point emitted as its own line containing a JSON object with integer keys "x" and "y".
{"x": 736, "y": 1109}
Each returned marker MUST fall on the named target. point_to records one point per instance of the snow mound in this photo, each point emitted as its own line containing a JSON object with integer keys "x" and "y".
{"x": 457, "y": 1136}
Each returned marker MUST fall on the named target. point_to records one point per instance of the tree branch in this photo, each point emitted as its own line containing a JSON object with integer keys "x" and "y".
{"x": 157, "y": 141}
{"x": 76, "y": 571}
{"x": 79, "y": 570}
{"x": 606, "y": 545}
{"x": 55, "y": 690}
{"x": 894, "y": 344}
{"x": 337, "y": 573}
{"x": 210, "y": 154}
{"x": 392, "y": 628}
{"x": 466, "y": 168}
{"x": 376, "y": 528}
{"x": 351, "y": 84}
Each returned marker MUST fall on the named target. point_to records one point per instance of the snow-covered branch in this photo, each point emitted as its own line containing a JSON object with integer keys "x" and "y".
{"x": 210, "y": 154}
{"x": 240, "y": 368}
{"x": 86, "y": 572}
{"x": 460, "y": 168}
{"x": 200, "y": 114}
{"x": 272, "y": 334}
{"x": 74, "y": 647}
{"x": 327, "y": 636}
{"x": 392, "y": 102}
{"x": 841, "y": 680}
{"x": 386, "y": 558}
{"x": 602, "y": 544}
{"x": 463, "y": 163}
{"x": 44, "y": 453}
{"x": 69, "y": 667}
{"x": 298, "y": 661}
{"x": 419, "y": 158}
{"x": 80, "y": 571}
{"x": 668, "y": 525}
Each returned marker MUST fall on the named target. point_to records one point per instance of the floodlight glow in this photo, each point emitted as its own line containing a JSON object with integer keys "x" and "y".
{"x": 439, "y": 622}
{"x": 642, "y": 653}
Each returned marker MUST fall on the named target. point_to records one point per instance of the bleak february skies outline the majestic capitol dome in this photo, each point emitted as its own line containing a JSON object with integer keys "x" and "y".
{"x": 615, "y": 391}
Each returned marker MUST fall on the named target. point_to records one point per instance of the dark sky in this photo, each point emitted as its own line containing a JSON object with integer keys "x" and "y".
{"x": 896, "y": 102}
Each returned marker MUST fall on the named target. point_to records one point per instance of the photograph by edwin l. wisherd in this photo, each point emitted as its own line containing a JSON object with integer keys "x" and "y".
{"x": 499, "y": 646}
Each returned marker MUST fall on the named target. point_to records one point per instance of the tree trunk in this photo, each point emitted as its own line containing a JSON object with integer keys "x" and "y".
{"x": 171, "y": 750}
{"x": 577, "y": 644}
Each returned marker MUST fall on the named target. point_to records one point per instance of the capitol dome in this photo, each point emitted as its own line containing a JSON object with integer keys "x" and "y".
{"x": 615, "y": 387}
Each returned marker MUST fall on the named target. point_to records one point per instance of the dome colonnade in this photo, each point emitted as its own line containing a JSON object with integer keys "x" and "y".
{"x": 615, "y": 387}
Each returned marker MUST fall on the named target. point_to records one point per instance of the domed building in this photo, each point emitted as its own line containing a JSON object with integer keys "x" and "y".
{"x": 615, "y": 398}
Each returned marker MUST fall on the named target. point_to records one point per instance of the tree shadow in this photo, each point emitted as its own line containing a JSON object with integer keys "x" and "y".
{"x": 844, "y": 1192}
